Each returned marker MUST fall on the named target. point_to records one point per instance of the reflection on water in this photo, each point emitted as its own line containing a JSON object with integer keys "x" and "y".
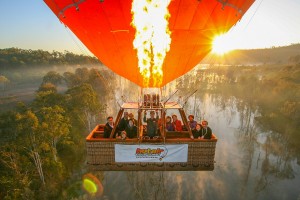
{"x": 250, "y": 163}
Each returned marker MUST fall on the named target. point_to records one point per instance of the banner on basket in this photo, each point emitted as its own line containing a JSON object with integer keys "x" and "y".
{"x": 151, "y": 153}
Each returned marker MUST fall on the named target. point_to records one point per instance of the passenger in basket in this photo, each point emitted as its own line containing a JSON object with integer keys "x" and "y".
{"x": 131, "y": 116}
{"x": 123, "y": 122}
{"x": 131, "y": 129}
{"x": 192, "y": 123}
{"x": 176, "y": 123}
{"x": 206, "y": 132}
{"x": 169, "y": 125}
{"x": 108, "y": 127}
{"x": 197, "y": 131}
{"x": 151, "y": 123}
{"x": 123, "y": 135}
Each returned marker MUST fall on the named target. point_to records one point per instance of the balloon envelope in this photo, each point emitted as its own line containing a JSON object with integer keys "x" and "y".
{"x": 104, "y": 27}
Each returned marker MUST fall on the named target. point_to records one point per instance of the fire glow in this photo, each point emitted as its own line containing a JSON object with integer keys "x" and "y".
{"x": 152, "y": 38}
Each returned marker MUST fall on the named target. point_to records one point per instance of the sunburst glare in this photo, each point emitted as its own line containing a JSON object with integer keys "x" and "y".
{"x": 222, "y": 44}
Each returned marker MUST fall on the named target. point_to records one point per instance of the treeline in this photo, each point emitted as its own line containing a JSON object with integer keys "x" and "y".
{"x": 12, "y": 58}
{"x": 271, "y": 90}
{"x": 275, "y": 55}
{"x": 42, "y": 144}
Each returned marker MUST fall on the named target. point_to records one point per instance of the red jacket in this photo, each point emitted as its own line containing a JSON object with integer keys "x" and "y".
{"x": 177, "y": 125}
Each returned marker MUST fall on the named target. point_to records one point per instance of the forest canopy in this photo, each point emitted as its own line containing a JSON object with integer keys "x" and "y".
{"x": 15, "y": 58}
{"x": 42, "y": 143}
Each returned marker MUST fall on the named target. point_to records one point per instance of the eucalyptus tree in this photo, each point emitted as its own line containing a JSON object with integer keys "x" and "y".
{"x": 44, "y": 87}
{"x": 30, "y": 139}
{"x": 3, "y": 81}
{"x": 53, "y": 77}
{"x": 47, "y": 96}
{"x": 15, "y": 173}
{"x": 71, "y": 79}
{"x": 83, "y": 102}
{"x": 54, "y": 126}
{"x": 82, "y": 74}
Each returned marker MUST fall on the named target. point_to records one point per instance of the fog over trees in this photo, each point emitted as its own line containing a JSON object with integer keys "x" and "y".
{"x": 42, "y": 140}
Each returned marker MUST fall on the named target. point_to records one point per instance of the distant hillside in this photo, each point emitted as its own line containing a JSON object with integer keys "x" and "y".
{"x": 276, "y": 55}
{"x": 15, "y": 58}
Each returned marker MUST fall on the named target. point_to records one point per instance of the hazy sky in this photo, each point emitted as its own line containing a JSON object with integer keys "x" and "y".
{"x": 30, "y": 24}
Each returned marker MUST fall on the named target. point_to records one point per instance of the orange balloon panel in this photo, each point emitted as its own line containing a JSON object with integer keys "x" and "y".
{"x": 104, "y": 26}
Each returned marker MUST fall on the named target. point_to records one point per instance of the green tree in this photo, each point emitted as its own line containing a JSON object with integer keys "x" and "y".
{"x": 71, "y": 79}
{"x": 45, "y": 87}
{"x": 3, "y": 81}
{"x": 8, "y": 123}
{"x": 30, "y": 139}
{"x": 53, "y": 77}
{"x": 54, "y": 126}
{"x": 82, "y": 74}
{"x": 83, "y": 102}
{"x": 15, "y": 175}
{"x": 48, "y": 99}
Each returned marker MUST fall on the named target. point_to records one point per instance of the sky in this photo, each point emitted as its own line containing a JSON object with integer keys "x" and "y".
{"x": 30, "y": 24}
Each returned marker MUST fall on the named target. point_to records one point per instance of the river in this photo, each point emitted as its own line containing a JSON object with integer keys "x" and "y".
{"x": 250, "y": 163}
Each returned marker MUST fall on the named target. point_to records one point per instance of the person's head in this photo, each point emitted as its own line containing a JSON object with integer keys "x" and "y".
{"x": 174, "y": 117}
{"x": 168, "y": 119}
{"x": 198, "y": 127}
{"x": 131, "y": 116}
{"x": 152, "y": 114}
{"x": 191, "y": 117}
{"x": 204, "y": 123}
{"x": 130, "y": 122}
{"x": 110, "y": 120}
{"x": 126, "y": 115}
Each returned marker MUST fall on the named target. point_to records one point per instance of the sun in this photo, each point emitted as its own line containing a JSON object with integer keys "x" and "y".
{"x": 222, "y": 44}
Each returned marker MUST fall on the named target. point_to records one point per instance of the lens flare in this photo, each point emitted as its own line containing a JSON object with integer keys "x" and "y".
{"x": 92, "y": 185}
{"x": 222, "y": 44}
{"x": 152, "y": 38}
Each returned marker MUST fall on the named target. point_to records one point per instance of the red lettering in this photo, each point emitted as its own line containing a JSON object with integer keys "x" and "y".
{"x": 137, "y": 151}
{"x": 149, "y": 151}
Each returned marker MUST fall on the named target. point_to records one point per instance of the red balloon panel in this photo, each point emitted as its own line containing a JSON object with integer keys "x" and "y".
{"x": 105, "y": 29}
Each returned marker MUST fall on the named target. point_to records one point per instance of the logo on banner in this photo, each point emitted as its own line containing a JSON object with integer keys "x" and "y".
{"x": 158, "y": 153}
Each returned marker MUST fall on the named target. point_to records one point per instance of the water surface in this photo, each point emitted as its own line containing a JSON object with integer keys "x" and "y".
{"x": 249, "y": 163}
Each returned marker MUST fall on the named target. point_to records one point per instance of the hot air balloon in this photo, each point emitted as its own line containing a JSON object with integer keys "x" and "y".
{"x": 149, "y": 42}
{"x": 108, "y": 30}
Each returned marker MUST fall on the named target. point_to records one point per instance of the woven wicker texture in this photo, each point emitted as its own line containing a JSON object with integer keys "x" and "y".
{"x": 101, "y": 156}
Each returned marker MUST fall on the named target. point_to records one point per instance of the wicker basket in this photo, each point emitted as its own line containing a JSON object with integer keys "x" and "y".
{"x": 101, "y": 154}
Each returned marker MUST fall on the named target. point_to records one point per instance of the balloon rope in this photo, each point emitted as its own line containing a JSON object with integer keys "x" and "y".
{"x": 254, "y": 13}
{"x": 81, "y": 47}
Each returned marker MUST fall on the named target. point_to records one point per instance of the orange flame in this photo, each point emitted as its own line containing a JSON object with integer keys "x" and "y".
{"x": 152, "y": 38}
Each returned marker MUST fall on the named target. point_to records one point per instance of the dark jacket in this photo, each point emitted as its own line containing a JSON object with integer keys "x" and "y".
{"x": 107, "y": 130}
{"x": 151, "y": 126}
{"x": 196, "y": 133}
{"x": 207, "y": 133}
{"x": 131, "y": 131}
{"x": 123, "y": 124}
